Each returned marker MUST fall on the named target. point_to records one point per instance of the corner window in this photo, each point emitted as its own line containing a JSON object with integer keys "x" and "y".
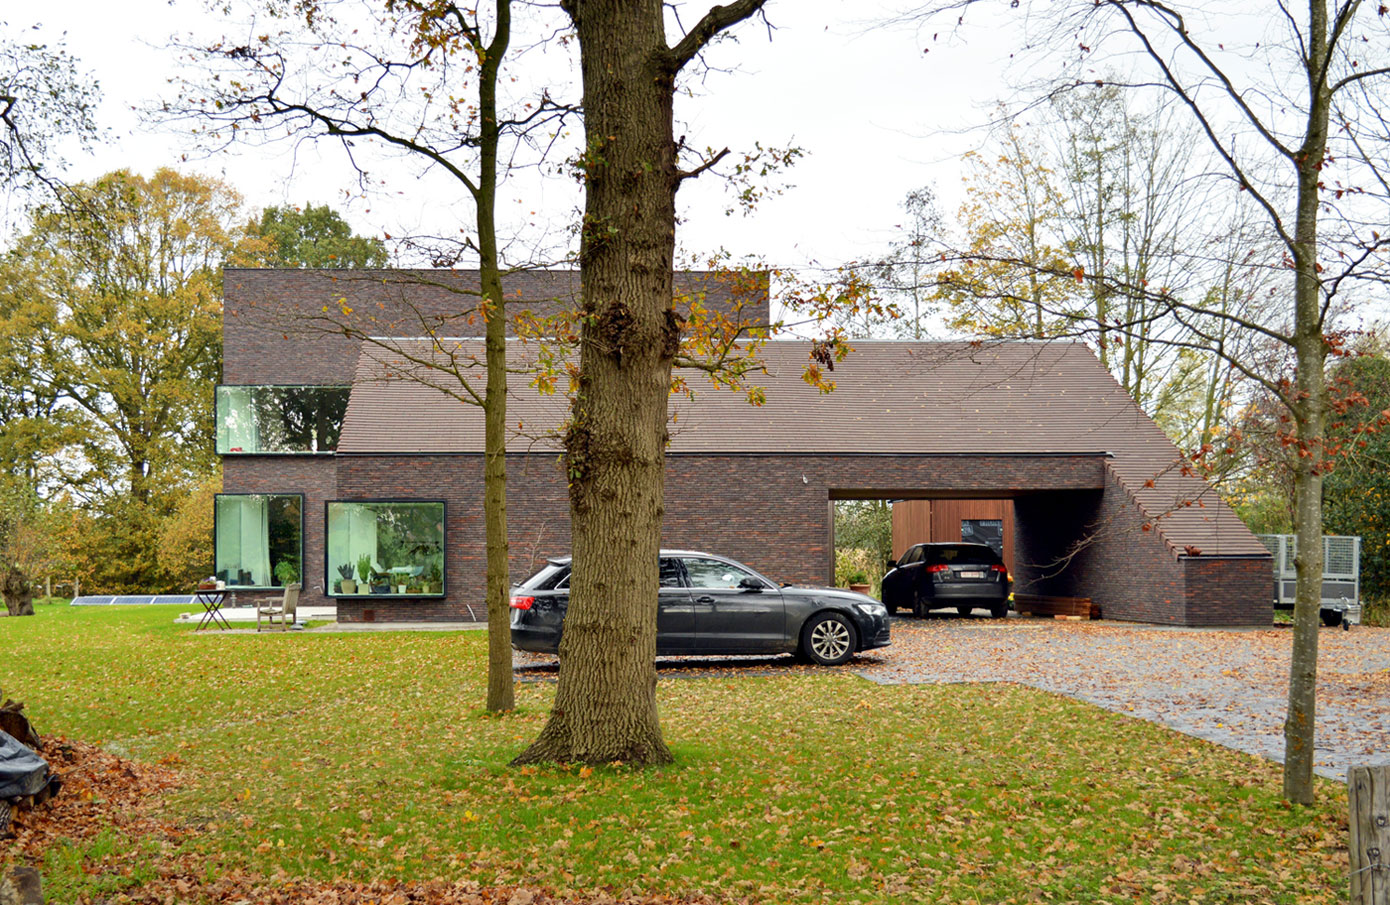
{"x": 271, "y": 420}
{"x": 385, "y": 548}
{"x": 259, "y": 539}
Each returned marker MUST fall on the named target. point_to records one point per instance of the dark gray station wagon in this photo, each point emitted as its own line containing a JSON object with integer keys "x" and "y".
{"x": 712, "y": 605}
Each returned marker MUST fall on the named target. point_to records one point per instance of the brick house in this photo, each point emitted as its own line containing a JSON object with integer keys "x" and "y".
{"x": 369, "y": 482}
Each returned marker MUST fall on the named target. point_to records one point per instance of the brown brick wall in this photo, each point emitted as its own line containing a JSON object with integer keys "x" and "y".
{"x": 1222, "y": 591}
{"x": 274, "y": 329}
{"x": 773, "y": 512}
{"x": 313, "y": 476}
{"x": 1128, "y": 571}
{"x": 755, "y": 508}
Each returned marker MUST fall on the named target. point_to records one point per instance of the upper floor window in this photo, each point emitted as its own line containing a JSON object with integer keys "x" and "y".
{"x": 272, "y": 419}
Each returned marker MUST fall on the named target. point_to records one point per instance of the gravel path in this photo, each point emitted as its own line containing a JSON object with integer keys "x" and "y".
{"x": 1225, "y": 686}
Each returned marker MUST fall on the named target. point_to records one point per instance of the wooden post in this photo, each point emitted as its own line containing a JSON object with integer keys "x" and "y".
{"x": 1368, "y": 795}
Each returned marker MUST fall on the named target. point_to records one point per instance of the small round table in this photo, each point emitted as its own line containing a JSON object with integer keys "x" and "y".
{"x": 211, "y": 600}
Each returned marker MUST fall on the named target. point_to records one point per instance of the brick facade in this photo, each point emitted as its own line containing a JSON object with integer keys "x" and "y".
{"x": 773, "y": 510}
{"x": 1096, "y": 545}
{"x": 775, "y": 513}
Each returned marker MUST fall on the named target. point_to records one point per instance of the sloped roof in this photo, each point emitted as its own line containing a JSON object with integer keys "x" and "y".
{"x": 890, "y": 397}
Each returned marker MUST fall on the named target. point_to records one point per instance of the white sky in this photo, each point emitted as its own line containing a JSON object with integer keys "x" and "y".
{"x": 866, "y": 104}
{"x": 876, "y": 115}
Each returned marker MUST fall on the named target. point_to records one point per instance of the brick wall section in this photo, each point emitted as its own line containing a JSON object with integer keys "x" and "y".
{"x": 1131, "y": 573}
{"x": 313, "y": 476}
{"x": 1222, "y": 591}
{"x": 270, "y": 335}
{"x": 756, "y": 509}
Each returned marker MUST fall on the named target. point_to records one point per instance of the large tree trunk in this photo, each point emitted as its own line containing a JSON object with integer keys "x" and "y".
{"x": 500, "y": 694}
{"x": 18, "y": 592}
{"x": 605, "y": 702}
{"x": 1310, "y": 349}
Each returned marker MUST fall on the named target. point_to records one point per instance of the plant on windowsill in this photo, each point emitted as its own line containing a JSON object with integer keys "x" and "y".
{"x": 286, "y": 572}
{"x": 347, "y": 585}
{"x": 364, "y": 572}
{"x": 381, "y": 583}
{"x": 435, "y": 583}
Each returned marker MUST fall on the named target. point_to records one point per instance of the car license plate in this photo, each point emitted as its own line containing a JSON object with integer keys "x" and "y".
{"x": 971, "y": 574}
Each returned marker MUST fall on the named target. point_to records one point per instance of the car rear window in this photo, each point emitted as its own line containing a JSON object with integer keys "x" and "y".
{"x": 546, "y": 578}
{"x": 962, "y": 554}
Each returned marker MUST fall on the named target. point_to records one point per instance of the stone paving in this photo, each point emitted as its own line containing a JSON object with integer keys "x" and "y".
{"x": 1226, "y": 686}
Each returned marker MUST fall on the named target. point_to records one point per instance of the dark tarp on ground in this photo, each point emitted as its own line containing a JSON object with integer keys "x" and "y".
{"x": 22, "y": 772}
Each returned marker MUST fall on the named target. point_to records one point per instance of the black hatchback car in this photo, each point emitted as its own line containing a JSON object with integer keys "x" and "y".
{"x": 712, "y": 605}
{"x": 932, "y": 576}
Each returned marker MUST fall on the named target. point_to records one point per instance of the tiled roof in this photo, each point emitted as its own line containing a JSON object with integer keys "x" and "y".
{"x": 890, "y": 397}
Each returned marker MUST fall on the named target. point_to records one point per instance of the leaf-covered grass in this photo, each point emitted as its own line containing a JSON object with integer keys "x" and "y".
{"x": 363, "y": 756}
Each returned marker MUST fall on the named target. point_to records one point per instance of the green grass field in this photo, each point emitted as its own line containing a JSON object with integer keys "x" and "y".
{"x": 366, "y": 756}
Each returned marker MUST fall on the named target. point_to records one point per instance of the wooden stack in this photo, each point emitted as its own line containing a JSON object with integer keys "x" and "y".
{"x": 1072, "y": 609}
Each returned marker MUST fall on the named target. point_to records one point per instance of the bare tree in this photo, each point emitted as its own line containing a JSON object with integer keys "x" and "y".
{"x": 44, "y": 99}
{"x": 422, "y": 80}
{"x": 1300, "y": 127}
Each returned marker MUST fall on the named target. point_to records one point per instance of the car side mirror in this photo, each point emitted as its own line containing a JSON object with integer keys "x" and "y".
{"x": 751, "y": 584}
{"x": 889, "y": 566}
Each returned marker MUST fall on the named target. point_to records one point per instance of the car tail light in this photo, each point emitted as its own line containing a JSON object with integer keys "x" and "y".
{"x": 939, "y": 567}
{"x": 522, "y": 603}
{"x": 999, "y": 567}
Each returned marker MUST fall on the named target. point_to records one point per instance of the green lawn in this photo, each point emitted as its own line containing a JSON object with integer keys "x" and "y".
{"x": 364, "y": 756}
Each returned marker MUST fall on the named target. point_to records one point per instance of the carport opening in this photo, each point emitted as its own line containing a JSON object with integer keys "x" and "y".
{"x": 869, "y": 532}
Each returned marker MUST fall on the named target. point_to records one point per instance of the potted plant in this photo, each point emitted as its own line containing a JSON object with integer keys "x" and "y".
{"x": 286, "y": 572}
{"x": 347, "y": 585}
{"x": 435, "y": 583}
{"x": 364, "y": 572}
{"x": 858, "y": 581}
{"x": 381, "y": 583}
{"x": 402, "y": 582}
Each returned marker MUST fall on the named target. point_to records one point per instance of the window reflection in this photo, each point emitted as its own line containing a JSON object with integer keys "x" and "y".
{"x": 258, "y": 539}
{"x": 394, "y": 548}
{"x": 264, "y": 419}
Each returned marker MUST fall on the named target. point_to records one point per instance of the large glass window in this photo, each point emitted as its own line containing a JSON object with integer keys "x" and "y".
{"x": 259, "y": 539}
{"x": 394, "y": 548}
{"x": 267, "y": 419}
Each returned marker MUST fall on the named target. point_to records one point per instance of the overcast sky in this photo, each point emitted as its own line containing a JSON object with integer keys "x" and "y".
{"x": 868, "y": 106}
{"x": 880, "y": 111}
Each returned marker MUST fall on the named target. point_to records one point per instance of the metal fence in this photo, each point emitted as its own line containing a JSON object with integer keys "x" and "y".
{"x": 1341, "y": 571}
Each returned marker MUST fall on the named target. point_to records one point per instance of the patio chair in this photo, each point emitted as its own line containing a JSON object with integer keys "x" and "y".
{"x": 282, "y": 607}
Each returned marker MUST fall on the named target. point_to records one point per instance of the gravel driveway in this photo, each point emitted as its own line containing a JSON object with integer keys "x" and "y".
{"x": 1228, "y": 686}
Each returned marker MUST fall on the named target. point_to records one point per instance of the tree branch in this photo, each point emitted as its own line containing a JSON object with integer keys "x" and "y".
{"x": 709, "y": 26}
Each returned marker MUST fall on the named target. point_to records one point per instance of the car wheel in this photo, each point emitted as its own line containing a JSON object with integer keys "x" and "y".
{"x": 1331, "y": 618}
{"x": 964, "y": 609}
{"x": 999, "y": 611}
{"x": 828, "y": 639}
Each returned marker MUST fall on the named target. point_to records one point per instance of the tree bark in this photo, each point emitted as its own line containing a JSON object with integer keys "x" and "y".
{"x": 18, "y": 593}
{"x": 500, "y": 686}
{"x": 605, "y": 702}
{"x": 1310, "y": 350}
